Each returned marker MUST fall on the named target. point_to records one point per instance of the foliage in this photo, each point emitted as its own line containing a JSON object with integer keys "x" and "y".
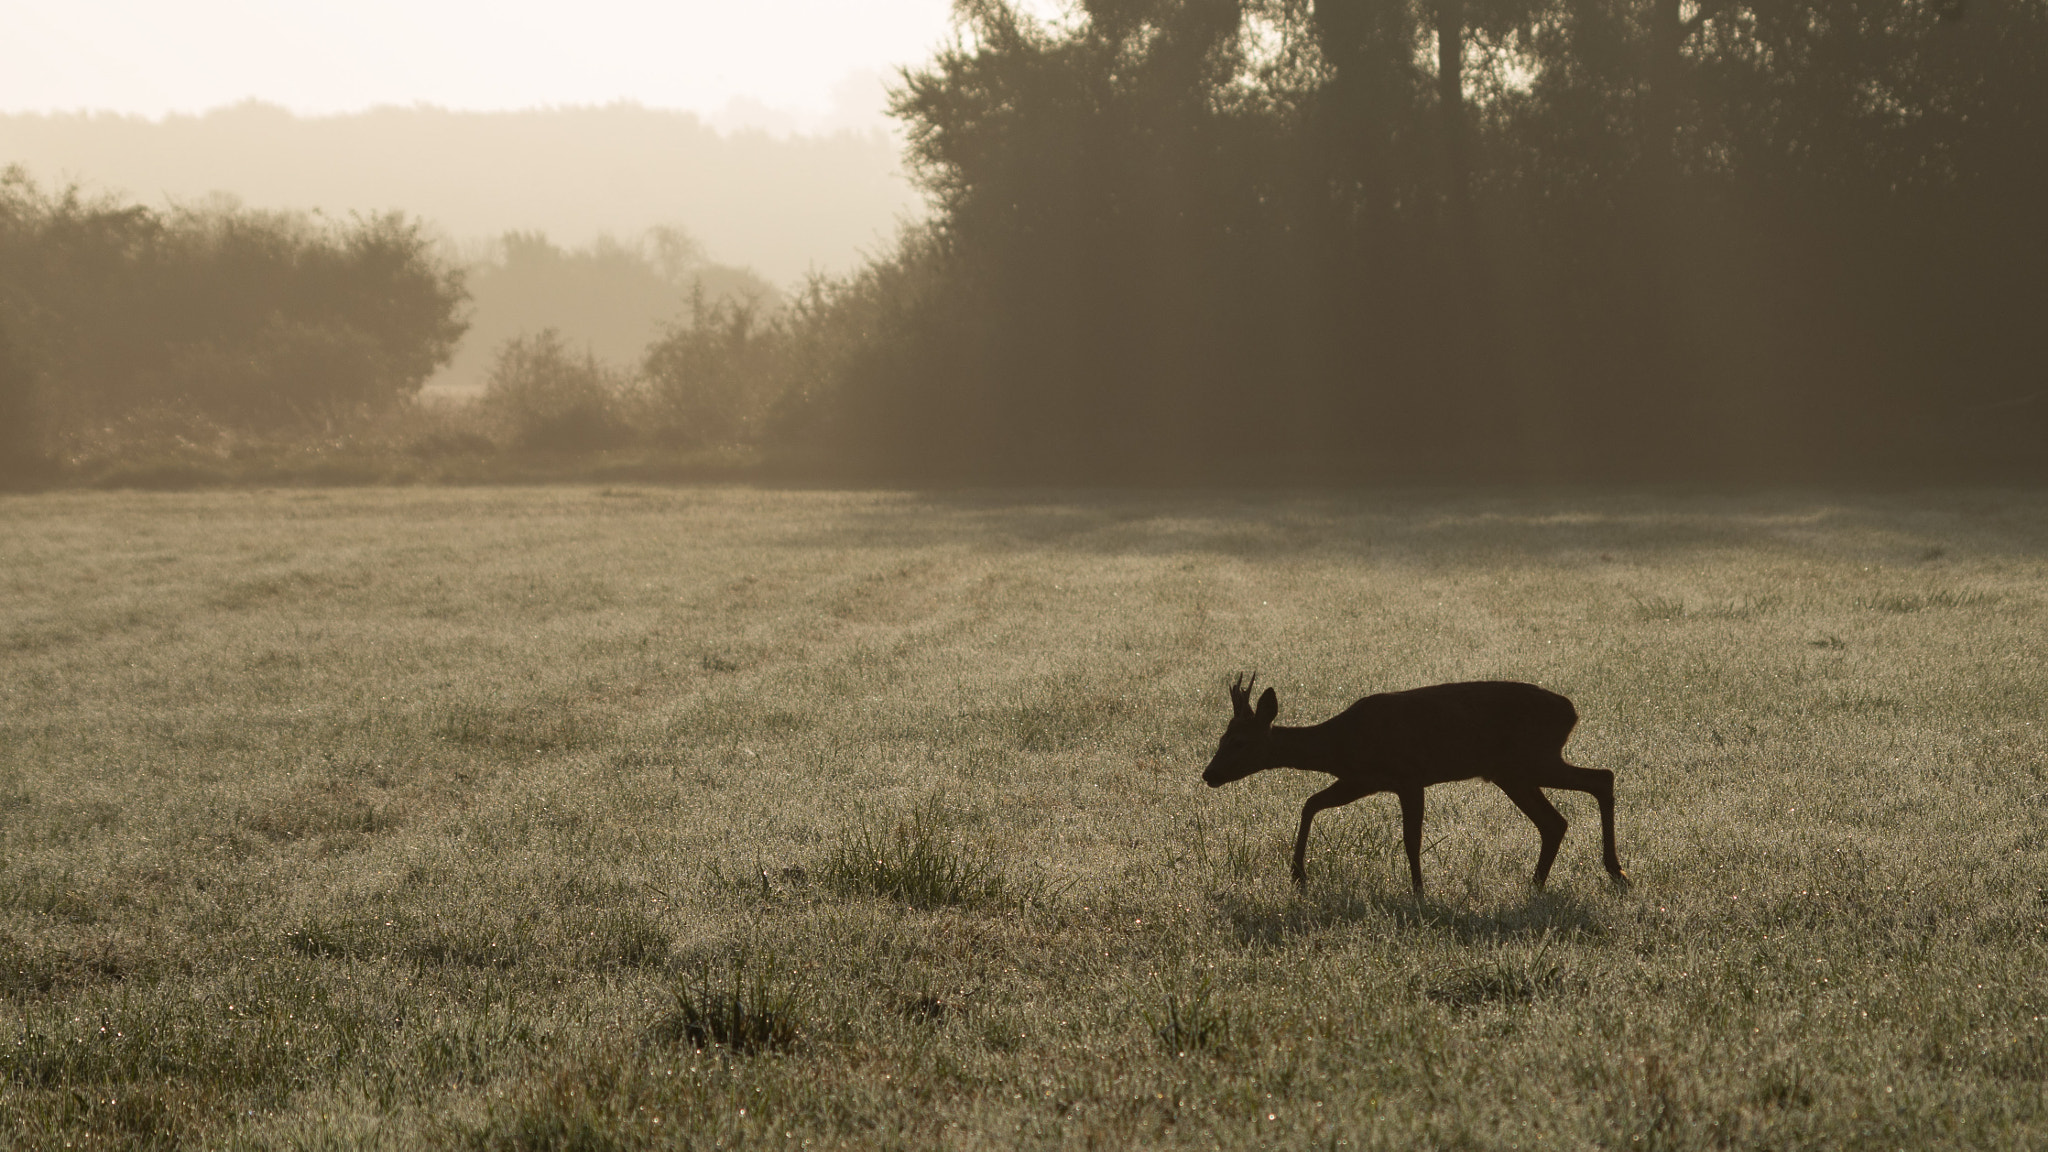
{"x": 18, "y": 412}
{"x": 611, "y": 296}
{"x": 547, "y": 397}
{"x": 1293, "y": 239}
{"x": 715, "y": 377}
{"x": 877, "y": 364}
{"x": 1648, "y": 240}
{"x": 243, "y": 318}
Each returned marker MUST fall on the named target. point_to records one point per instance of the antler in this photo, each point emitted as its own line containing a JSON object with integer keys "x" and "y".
{"x": 1241, "y": 692}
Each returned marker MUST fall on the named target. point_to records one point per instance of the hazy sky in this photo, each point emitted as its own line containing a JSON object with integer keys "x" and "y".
{"x": 792, "y": 64}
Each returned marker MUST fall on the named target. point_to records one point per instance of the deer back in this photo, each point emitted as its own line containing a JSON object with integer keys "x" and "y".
{"x": 1453, "y": 731}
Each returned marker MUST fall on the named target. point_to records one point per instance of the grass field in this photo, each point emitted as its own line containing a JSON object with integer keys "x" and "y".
{"x": 580, "y": 818}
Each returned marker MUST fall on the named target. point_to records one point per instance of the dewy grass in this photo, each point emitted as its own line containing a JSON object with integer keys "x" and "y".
{"x": 745, "y": 1008}
{"x": 915, "y": 858}
{"x": 1192, "y": 1021}
{"x": 409, "y": 819}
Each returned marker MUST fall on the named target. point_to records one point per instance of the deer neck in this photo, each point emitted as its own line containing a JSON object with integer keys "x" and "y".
{"x": 1296, "y": 747}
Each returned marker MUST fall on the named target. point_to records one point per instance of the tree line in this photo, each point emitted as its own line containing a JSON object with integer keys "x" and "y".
{"x": 110, "y": 312}
{"x": 1470, "y": 238}
{"x": 1296, "y": 239}
{"x": 218, "y": 330}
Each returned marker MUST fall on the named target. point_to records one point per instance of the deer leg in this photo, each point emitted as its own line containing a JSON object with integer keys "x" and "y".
{"x": 1550, "y": 823}
{"x": 1336, "y": 795}
{"x": 1598, "y": 783}
{"x": 1411, "y": 834}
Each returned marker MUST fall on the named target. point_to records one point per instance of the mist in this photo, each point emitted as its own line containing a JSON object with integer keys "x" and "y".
{"x": 782, "y": 203}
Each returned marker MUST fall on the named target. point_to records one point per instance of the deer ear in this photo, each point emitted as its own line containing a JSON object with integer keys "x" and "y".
{"x": 1269, "y": 707}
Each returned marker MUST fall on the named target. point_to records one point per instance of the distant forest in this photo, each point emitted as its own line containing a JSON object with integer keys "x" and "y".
{"x": 611, "y": 298}
{"x": 1273, "y": 240}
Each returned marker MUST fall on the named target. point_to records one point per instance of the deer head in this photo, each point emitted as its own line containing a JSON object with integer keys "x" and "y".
{"x": 1237, "y": 754}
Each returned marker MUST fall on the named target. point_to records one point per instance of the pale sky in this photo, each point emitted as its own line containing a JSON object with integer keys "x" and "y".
{"x": 790, "y": 64}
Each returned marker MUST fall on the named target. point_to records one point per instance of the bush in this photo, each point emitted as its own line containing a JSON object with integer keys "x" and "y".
{"x": 17, "y": 413}
{"x": 255, "y": 321}
{"x": 879, "y": 359}
{"x": 283, "y": 372}
{"x": 546, "y": 397}
{"x": 715, "y": 380}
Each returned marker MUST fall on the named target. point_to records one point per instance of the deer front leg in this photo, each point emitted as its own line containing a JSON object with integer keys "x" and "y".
{"x": 1550, "y": 824}
{"x": 1411, "y": 833}
{"x": 1336, "y": 795}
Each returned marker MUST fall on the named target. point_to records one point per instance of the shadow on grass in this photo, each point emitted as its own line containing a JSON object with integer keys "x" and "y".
{"x": 1348, "y": 521}
{"x": 1260, "y": 917}
{"x": 1502, "y": 983}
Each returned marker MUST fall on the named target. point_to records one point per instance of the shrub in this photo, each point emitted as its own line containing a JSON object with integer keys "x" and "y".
{"x": 715, "y": 380}
{"x": 546, "y": 397}
{"x": 18, "y": 440}
{"x": 252, "y": 320}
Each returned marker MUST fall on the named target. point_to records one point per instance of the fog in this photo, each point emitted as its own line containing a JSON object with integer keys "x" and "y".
{"x": 780, "y": 204}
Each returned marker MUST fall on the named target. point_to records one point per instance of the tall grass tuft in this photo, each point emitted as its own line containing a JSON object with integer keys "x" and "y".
{"x": 916, "y": 861}
{"x": 1191, "y": 1021}
{"x": 747, "y": 1010}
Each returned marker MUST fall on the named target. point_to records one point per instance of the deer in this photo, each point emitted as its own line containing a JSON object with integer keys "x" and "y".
{"x": 1509, "y": 733}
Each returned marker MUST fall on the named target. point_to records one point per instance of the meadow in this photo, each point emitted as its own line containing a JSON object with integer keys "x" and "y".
{"x": 582, "y": 818}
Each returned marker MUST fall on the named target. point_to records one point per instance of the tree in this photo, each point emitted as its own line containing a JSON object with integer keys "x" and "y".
{"x": 248, "y": 319}
{"x": 1591, "y": 237}
{"x": 19, "y": 445}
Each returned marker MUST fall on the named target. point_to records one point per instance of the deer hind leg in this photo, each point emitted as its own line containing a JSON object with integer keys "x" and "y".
{"x": 1336, "y": 795}
{"x": 1550, "y": 823}
{"x": 1598, "y": 783}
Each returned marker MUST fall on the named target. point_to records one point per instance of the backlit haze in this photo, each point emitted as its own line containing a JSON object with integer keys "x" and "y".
{"x": 758, "y": 128}
{"x": 783, "y": 65}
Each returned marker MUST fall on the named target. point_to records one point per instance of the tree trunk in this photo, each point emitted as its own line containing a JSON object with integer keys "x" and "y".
{"x": 1450, "y": 95}
{"x": 1660, "y": 96}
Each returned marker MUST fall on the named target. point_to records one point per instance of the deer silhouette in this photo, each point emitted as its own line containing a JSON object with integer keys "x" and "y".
{"x": 1510, "y": 733}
